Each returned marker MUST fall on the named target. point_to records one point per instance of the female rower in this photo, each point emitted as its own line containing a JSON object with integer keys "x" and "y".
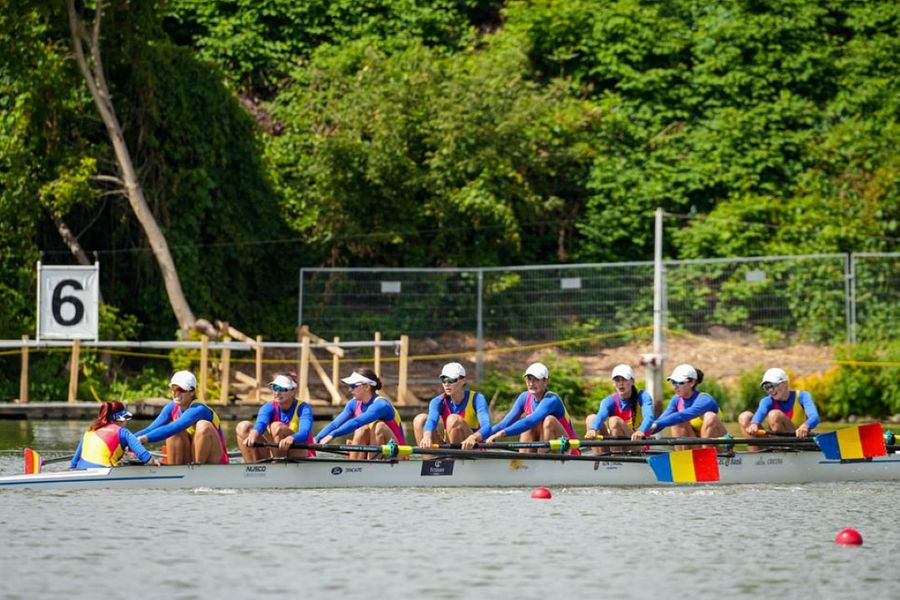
{"x": 783, "y": 409}
{"x": 191, "y": 429}
{"x": 282, "y": 421}
{"x": 629, "y": 410}
{"x": 537, "y": 414}
{"x": 105, "y": 441}
{"x": 368, "y": 417}
{"x": 691, "y": 413}
{"x": 458, "y": 415}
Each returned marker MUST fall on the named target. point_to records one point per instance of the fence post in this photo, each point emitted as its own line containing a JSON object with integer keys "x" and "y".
{"x": 304, "y": 369}
{"x": 204, "y": 355}
{"x": 226, "y": 372}
{"x": 73, "y": 370}
{"x": 404, "y": 363}
{"x": 376, "y": 365}
{"x": 23, "y": 376}
{"x": 479, "y": 329}
{"x": 259, "y": 355}
{"x": 335, "y": 366}
{"x": 850, "y": 291}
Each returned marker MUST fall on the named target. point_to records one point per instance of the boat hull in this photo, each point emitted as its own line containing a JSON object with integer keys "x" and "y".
{"x": 744, "y": 468}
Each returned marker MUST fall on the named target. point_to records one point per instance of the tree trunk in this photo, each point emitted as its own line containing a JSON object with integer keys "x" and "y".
{"x": 92, "y": 69}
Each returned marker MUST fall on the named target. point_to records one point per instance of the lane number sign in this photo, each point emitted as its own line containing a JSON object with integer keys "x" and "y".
{"x": 68, "y": 301}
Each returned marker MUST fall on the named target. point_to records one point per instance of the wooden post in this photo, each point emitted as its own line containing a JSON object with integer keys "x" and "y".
{"x": 304, "y": 369}
{"x": 204, "y": 359}
{"x": 404, "y": 364}
{"x": 23, "y": 376}
{"x": 226, "y": 373}
{"x": 335, "y": 370}
{"x": 259, "y": 355}
{"x": 377, "y": 362}
{"x": 73, "y": 370}
{"x": 332, "y": 390}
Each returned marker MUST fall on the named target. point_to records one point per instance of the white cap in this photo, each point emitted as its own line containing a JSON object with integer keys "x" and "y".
{"x": 775, "y": 375}
{"x": 538, "y": 371}
{"x": 622, "y": 371}
{"x": 185, "y": 380}
{"x": 454, "y": 370}
{"x": 283, "y": 381}
{"x": 357, "y": 378}
{"x": 683, "y": 372}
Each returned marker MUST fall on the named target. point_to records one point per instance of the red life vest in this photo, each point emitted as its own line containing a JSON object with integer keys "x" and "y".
{"x": 294, "y": 423}
{"x": 394, "y": 424}
{"x": 102, "y": 446}
{"x": 566, "y": 421}
{"x": 217, "y": 423}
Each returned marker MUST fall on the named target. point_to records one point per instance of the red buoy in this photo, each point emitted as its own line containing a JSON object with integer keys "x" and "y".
{"x": 848, "y": 537}
{"x": 542, "y": 493}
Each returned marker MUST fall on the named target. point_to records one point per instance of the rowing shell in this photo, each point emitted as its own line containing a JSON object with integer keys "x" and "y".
{"x": 743, "y": 468}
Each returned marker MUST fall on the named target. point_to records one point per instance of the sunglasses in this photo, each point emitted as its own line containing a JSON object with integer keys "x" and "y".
{"x": 679, "y": 382}
{"x": 278, "y": 388}
{"x": 178, "y": 389}
{"x": 353, "y": 386}
{"x": 445, "y": 379}
{"x": 769, "y": 386}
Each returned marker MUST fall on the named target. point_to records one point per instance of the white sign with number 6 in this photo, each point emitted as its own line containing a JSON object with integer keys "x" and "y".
{"x": 68, "y": 301}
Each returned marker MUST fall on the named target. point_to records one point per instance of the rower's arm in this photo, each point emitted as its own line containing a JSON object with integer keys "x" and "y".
{"x": 514, "y": 413}
{"x": 484, "y": 415}
{"x": 550, "y": 404}
{"x": 305, "y": 423}
{"x": 77, "y": 456}
{"x": 434, "y": 413}
{"x": 812, "y": 413}
{"x": 191, "y": 416}
{"x": 765, "y": 405}
{"x": 129, "y": 440}
{"x": 161, "y": 419}
{"x": 264, "y": 417}
{"x": 603, "y": 412}
{"x": 337, "y": 421}
{"x": 380, "y": 410}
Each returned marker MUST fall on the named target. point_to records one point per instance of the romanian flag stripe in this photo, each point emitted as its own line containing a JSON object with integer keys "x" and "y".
{"x": 686, "y": 466}
{"x": 853, "y": 443}
{"x": 33, "y": 461}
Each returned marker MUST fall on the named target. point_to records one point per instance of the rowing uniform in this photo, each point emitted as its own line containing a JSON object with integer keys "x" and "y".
{"x": 104, "y": 447}
{"x": 528, "y": 412}
{"x": 638, "y": 409}
{"x": 798, "y": 407}
{"x": 171, "y": 421}
{"x": 690, "y": 410}
{"x": 298, "y": 418}
{"x": 357, "y": 414}
{"x": 473, "y": 409}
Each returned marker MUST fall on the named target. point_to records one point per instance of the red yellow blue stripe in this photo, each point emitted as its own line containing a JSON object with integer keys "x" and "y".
{"x": 853, "y": 443}
{"x": 33, "y": 461}
{"x": 686, "y": 466}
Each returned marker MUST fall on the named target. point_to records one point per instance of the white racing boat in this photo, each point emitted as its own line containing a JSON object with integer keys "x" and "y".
{"x": 778, "y": 467}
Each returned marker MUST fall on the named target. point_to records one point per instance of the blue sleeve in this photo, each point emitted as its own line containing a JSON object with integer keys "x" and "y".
{"x": 484, "y": 415}
{"x": 812, "y": 413}
{"x": 765, "y": 405}
{"x": 514, "y": 413}
{"x": 77, "y": 456}
{"x": 434, "y": 413}
{"x": 129, "y": 440}
{"x": 702, "y": 404}
{"x": 161, "y": 419}
{"x": 337, "y": 421}
{"x": 603, "y": 412}
{"x": 549, "y": 405}
{"x": 191, "y": 416}
{"x": 264, "y": 417}
{"x": 380, "y": 410}
{"x": 646, "y": 411}
{"x": 304, "y": 423}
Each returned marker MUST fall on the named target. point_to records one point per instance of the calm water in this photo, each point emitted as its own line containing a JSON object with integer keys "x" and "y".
{"x": 742, "y": 541}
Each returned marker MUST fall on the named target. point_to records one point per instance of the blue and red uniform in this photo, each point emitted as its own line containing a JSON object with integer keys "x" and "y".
{"x": 527, "y": 412}
{"x": 638, "y": 409}
{"x": 690, "y": 410}
{"x": 171, "y": 421}
{"x": 798, "y": 407}
{"x": 105, "y": 447}
{"x": 298, "y": 417}
{"x": 473, "y": 409}
{"x": 357, "y": 414}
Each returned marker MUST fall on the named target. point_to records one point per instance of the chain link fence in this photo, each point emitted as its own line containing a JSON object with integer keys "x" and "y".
{"x": 825, "y": 298}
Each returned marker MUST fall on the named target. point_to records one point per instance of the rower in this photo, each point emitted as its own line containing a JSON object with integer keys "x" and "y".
{"x": 105, "y": 441}
{"x": 371, "y": 419}
{"x": 784, "y": 410}
{"x": 282, "y": 421}
{"x": 457, "y": 415}
{"x": 691, "y": 413}
{"x": 537, "y": 414}
{"x": 191, "y": 429}
{"x": 629, "y": 411}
